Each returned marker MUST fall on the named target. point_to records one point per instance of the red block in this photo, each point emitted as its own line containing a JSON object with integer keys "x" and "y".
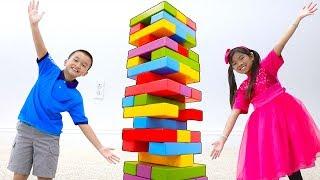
{"x": 148, "y": 77}
{"x": 146, "y": 39}
{"x": 135, "y": 146}
{"x": 195, "y": 136}
{"x": 196, "y": 96}
{"x": 189, "y": 114}
{"x": 183, "y": 51}
{"x": 136, "y": 28}
{"x": 149, "y": 135}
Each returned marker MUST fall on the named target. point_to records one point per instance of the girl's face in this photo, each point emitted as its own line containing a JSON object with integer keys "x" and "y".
{"x": 242, "y": 63}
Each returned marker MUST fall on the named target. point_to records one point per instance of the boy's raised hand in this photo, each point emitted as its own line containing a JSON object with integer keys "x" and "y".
{"x": 110, "y": 157}
{"x": 34, "y": 16}
{"x": 308, "y": 10}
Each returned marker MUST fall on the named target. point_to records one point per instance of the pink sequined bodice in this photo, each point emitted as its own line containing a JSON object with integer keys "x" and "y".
{"x": 263, "y": 82}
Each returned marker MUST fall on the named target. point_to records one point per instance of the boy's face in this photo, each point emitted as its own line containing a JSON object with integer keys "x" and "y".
{"x": 77, "y": 65}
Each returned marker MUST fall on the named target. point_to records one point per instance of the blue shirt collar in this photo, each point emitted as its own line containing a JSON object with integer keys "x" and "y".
{"x": 70, "y": 84}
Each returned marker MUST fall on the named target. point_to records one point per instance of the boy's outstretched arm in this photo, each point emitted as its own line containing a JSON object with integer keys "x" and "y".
{"x": 104, "y": 151}
{"x": 34, "y": 18}
{"x": 306, "y": 11}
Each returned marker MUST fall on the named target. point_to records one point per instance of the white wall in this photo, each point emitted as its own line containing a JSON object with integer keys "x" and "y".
{"x": 102, "y": 27}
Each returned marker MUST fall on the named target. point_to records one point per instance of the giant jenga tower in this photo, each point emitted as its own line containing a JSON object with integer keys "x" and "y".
{"x": 162, "y": 64}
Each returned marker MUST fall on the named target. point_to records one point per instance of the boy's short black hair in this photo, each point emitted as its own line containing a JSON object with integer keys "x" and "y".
{"x": 84, "y": 52}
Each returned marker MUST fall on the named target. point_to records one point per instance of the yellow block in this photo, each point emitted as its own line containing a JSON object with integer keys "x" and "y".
{"x": 176, "y": 161}
{"x": 181, "y": 17}
{"x": 135, "y": 61}
{"x": 183, "y": 136}
{"x": 159, "y": 110}
{"x": 160, "y": 28}
{"x": 185, "y": 75}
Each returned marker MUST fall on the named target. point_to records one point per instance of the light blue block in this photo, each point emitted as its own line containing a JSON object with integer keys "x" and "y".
{"x": 164, "y": 65}
{"x": 147, "y": 122}
{"x": 128, "y": 101}
{"x": 175, "y": 21}
{"x": 180, "y": 36}
{"x": 174, "y": 149}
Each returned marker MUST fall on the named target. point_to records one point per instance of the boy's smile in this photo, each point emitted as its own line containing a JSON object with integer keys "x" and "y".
{"x": 77, "y": 65}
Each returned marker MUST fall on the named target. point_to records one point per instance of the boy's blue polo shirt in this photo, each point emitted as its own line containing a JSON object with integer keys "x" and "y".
{"x": 50, "y": 96}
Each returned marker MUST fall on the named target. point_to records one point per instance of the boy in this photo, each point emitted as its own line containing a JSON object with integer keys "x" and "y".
{"x": 40, "y": 122}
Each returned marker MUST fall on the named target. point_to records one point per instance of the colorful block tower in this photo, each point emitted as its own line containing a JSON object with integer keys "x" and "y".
{"x": 162, "y": 64}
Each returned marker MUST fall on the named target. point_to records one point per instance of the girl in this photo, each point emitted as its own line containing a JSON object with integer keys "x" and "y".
{"x": 280, "y": 137}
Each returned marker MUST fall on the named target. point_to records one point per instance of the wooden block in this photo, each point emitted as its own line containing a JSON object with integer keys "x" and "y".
{"x": 190, "y": 114}
{"x": 162, "y": 52}
{"x": 164, "y": 88}
{"x": 128, "y": 101}
{"x": 146, "y": 39}
{"x": 158, "y": 29}
{"x": 132, "y": 177}
{"x": 162, "y": 66}
{"x": 174, "y": 149}
{"x": 152, "y": 135}
{"x": 130, "y": 167}
{"x": 175, "y": 21}
{"x": 190, "y": 41}
{"x": 193, "y": 55}
{"x": 136, "y": 28}
{"x": 169, "y": 173}
{"x": 191, "y": 24}
{"x": 184, "y": 135}
{"x": 148, "y": 77}
{"x": 186, "y": 75}
{"x": 181, "y": 17}
{"x": 135, "y": 146}
{"x": 159, "y": 110}
{"x": 145, "y": 99}
{"x": 145, "y": 50}
{"x": 144, "y": 170}
{"x": 176, "y": 161}
{"x": 134, "y": 61}
{"x": 147, "y": 122}
{"x": 183, "y": 51}
{"x": 195, "y": 136}
{"x": 146, "y": 15}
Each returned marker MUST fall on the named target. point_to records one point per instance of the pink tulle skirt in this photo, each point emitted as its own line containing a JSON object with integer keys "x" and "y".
{"x": 280, "y": 138}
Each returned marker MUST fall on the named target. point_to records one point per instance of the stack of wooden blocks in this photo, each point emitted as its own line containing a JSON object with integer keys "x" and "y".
{"x": 162, "y": 65}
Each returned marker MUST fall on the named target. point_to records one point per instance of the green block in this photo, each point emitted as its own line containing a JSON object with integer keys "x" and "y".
{"x": 145, "y": 17}
{"x": 194, "y": 56}
{"x": 190, "y": 41}
{"x": 130, "y": 167}
{"x": 176, "y": 173}
{"x": 144, "y": 99}
{"x": 176, "y": 56}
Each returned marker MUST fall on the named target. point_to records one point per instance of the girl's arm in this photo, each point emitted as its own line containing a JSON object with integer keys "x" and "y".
{"x": 306, "y": 11}
{"x": 104, "y": 151}
{"x": 218, "y": 145}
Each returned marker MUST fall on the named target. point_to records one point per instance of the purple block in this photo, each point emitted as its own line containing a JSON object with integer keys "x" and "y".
{"x": 131, "y": 177}
{"x": 185, "y": 90}
{"x": 144, "y": 170}
{"x": 151, "y": 46}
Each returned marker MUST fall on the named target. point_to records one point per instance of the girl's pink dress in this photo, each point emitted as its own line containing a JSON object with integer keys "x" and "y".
{"x": 280, "y": 136}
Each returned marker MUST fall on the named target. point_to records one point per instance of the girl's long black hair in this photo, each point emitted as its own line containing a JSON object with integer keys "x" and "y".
{"x": 253, "y": 72}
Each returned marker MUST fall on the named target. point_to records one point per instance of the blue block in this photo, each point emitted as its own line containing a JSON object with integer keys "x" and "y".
{"x": 147, "y": 122}
{"x": 174, "y": 149}
{"x": 173, "y": 20}
{"x": 128, "y": 101}
{"x": 180, "y": 36}
{"x": 164, "y": 65}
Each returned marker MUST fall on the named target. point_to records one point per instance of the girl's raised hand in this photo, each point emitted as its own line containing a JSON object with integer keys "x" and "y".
{"x": 34, "y": 16}
{"x": 308, "y": 10}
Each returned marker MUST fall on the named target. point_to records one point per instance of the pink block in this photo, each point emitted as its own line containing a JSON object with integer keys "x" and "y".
{"x": 144, "y": 170}
{"x": 131, "y": 177}
{"x": 151, "y": 46}
{"x": 191, "y": 24}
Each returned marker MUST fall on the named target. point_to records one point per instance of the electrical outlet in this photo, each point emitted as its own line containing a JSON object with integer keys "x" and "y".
{"x": 99, "y": 90}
